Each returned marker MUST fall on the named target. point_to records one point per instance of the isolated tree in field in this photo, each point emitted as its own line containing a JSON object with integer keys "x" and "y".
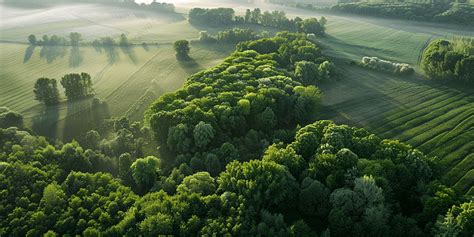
{"x": 46, "y": 91}
{"x": 77, "y": 85}
{"x": 75, "y": 38}
{"x": 182, "y": 48}
{"x": 32, "y": 39}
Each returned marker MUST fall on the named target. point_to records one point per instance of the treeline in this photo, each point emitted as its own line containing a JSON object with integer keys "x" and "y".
{"x": 449, "y": 60}
{"x": 457, "y": 13}
{"x": 75, "y": 39}
{"x": 131, "y": 4}
{"x": 75, "y": 86}
{"x": 232, "y": 36}
{"x": 276, "y": 19}
{"x": 387, "y": 66}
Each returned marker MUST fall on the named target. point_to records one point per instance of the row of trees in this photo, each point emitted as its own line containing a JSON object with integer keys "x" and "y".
{"x": 75, "y": 39}
{"x": 54, "y": 40}
{"x": 75, "y": 86}
{"x": 449, "y": 60}
{"x": 458, "y": 13}
{"x": 387, "y": 66}
{"x": 277, "y": 19}
{"x": 231, "y": 36}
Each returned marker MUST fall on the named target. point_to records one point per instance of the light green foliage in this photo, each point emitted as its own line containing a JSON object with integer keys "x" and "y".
{"x": 448, "y": 60}
{"x": 145, "y": 172}
{"x": 200, "y": 182}
{"x": 458, "y": 221}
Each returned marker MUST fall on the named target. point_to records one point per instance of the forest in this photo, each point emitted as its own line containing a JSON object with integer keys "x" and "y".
{"x": 294, "y": 126}
{"x": 232, "y": 162}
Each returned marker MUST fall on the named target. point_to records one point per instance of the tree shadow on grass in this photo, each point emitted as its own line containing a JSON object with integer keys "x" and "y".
{"x": 52, "y": 52}
{"x": 75, "y": 57}
{"x": 29, "y": 53}
{"x": 189, "y": 64}
{"x": 130, "y": 52}
{"x": 82, "y": 116}
{"x": 45, "y": 123}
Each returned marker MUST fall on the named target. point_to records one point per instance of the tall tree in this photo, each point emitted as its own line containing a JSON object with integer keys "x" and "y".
{"x": 77, "y": 85}
{"x": 46, "y": 91}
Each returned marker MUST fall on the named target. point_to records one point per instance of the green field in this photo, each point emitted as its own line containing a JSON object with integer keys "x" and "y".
{"x": 126, "y": 85}
{"x": 128, "y": 82}
{"x": 436, "y": 119}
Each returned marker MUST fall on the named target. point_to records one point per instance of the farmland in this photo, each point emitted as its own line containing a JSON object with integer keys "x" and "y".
{"x": 436, "y": 119}
{"x": 127, "y": 82}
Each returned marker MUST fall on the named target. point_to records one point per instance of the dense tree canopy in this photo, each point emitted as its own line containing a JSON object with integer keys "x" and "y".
{"x": 449, "y": 60}
{"x": 233, "y": 160}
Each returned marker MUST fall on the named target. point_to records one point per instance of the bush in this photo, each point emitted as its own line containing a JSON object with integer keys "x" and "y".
{"x": 387, "y": 66}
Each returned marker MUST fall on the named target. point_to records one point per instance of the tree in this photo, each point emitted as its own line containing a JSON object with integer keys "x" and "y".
{"x": 200, "y": 182}
{"x": 92, "y": 139}
{"x": 203, "y": 134}
{"x": 77, "y": 86}
{"x": 458, "y": 221}
{"x": 145, "y": 172}
{"x": 307, "y": 72}
{"x": 182, "y": 48}
{"x": 124, "y": 41}
{"x": 9, "y": 118}
{"x": 32, "y": 39}
{"x": 313, "y": 198}
{"x": 262, "y": 183}
{"x": 75, "y": 38}
{"x": 46, "y": 91}
{"x": 312, "y": 26}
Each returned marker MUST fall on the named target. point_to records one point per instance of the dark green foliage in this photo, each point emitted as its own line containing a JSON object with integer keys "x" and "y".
{"x": 10, "y": 118}
{"x": 46, "y": 91}
{"x": 182, "y": 48}
{"x": 77, "y": 86}
{"x": 449, "y": 60}
{"x": 32, "y": 40}
{"x": 276, "y": 19}
{"x": 242, "y": 101}
{"x": 440, "y": 12}
{"x": 214, "y": 17}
